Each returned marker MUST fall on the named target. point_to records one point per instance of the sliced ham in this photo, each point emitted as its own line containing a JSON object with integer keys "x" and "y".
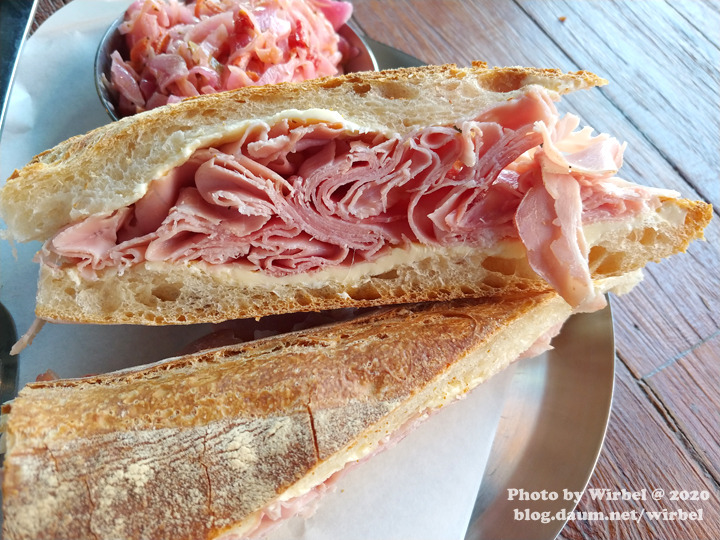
{"x": 91, "y": 240}
{"x": 298, "y": 196}
{"x": 193, "y": 231}
{"x": 572, "y": 182}
{"x": 549, "y": 221}
{"x": 283, "y": 250}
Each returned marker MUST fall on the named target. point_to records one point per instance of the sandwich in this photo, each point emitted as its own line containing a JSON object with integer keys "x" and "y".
{"x": 225, "y": 443}
{"x": 366, "y": 189}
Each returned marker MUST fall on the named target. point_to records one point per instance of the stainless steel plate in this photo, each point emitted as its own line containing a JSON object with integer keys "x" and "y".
{"x": 551, "y": 431}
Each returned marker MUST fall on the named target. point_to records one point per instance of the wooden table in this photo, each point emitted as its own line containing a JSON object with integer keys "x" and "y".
{"x": 661, "y": 59}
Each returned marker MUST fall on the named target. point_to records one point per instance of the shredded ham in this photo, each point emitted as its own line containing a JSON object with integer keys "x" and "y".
{"x": 27, "y": 338}
{"x": 48, "y": 375}
{"x": 296, "y": 197}
{"x": 177, "y": 50}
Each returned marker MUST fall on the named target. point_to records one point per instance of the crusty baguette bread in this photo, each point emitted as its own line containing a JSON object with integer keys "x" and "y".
{"x": 164, "y": 293}
{"x": 87, "y": 175}
{"x": 195, "y": 447}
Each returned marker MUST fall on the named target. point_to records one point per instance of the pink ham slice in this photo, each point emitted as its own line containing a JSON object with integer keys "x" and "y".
{"x": 296, "y": 197}
{"x": 573, "y": 183}
{"x": 549, "y": 221}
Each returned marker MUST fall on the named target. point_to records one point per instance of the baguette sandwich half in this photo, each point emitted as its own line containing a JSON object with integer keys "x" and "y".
{"x": 224, "y": 443}
{"x": 407, "y": 185}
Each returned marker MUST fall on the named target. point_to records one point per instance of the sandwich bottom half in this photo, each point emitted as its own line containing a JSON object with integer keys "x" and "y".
{"x": 227, "y": 442}
{"x": 162, "y": 293}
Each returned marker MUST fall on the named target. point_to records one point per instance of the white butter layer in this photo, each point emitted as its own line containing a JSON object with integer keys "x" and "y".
{"x": 241, "y": 275}
{"x": 666, "y": 214}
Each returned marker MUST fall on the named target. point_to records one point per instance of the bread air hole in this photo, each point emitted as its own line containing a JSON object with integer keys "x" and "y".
{"x": 396, "y": 90}
{"x": 597, "y": 253}
{"x": 452, "y": 85}
{"x": 602, "y": 262}
{"x": 302, "y": 298}
{"x": 506, "y": 267}
{"x": 167, "y": 292}
{"x": 361, "y": 88}
{"x": 331, "y": 83}
{"x": 440, "y": 294}
{"x": 496, "y": 282}
{"x": 365, "y": 292}
{"x": 649, "y": 237}
{"x": 323, "y": 293}
{"x": 390, "y": 274}
{"x": 152, "y": 318}
{"x": 509, "y": 82}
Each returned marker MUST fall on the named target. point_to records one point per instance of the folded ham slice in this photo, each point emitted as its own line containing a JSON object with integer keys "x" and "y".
{"x": 294, "y": 195}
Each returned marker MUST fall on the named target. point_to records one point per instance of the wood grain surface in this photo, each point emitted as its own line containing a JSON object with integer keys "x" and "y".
{"x": 661, "y": 59}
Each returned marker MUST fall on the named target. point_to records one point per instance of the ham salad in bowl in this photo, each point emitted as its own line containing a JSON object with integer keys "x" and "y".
{"x": 163, "y": 51}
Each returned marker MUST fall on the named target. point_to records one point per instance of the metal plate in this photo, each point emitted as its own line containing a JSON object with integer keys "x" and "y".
{"x": 551, "y": 431}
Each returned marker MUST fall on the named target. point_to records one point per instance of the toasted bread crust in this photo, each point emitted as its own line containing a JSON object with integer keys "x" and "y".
{"x": 200, "y": 444}
{"x": 86, "y": 174}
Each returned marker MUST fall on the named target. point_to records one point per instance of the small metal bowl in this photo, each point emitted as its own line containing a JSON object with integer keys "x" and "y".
{"x": 112, "y": 40}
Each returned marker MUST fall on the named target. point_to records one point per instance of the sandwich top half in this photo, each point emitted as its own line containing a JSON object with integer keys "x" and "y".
{"x": 398, "y": 186}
